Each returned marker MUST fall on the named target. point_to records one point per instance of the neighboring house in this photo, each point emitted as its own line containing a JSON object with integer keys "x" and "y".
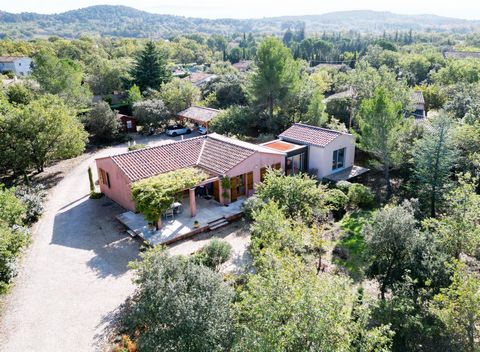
{"x": 326, "y": 153}
{"x": 243, "y": 65}
{"x": 243, "y": 163}
{"x": 462, "y": 54}
{"x": 20, "y": 65}
{"x": 419, "y": 105}
{"x": 199, "y": 114}
{"x": 129, "y": 123}
{"x": 200, "y": 78}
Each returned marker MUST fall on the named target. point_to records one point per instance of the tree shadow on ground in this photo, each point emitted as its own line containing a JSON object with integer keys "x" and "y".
{"x": 91, "y": 225}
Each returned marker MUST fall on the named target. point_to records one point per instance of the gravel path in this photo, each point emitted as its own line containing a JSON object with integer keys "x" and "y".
{"x": 74, "y": 275}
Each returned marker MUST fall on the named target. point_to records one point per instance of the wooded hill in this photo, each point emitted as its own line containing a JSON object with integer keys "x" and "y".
{"x": 122, "y": 21}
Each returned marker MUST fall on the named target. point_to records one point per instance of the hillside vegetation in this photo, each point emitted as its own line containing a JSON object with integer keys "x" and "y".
{"x": 122, "y": 21}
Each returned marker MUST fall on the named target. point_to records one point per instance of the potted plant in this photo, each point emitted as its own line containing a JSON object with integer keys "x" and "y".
{"x": 196, "y": 224}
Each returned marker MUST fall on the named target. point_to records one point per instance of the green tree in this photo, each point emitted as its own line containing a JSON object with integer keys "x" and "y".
{"x": 276, "y": 75}
{"x": 179, "y": 305}
{"x": 387, "y": 241}
{"x": 19, "y": 94}
{"x": 380, "y": 121}
{"x": 46, "y": 130}
{"x": 298, "y": 196}
{"x": 178, "y": 95}
{"x": 150, "y": 70}
{"x": 458, "y": 307}
{"x": 458, "y": 227}
{"x": 151, "y": 112}
{"x": 102, "y": 123}
{"x": 290, "y": 308}
{"x": 434, "y": 158}
{"x": 62, "y": 77}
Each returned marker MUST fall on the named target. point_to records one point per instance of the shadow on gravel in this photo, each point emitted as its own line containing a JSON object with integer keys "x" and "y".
{"x": 90, "y": 225}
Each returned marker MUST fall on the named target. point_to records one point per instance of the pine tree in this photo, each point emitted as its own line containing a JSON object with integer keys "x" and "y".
{"x": 433, "y": 161}
{"x": 150, "y": 69}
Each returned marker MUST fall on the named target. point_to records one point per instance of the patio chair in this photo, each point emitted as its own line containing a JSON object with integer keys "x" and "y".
{"x": 168, "y": 214}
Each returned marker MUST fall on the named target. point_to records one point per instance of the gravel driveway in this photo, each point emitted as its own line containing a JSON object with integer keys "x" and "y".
{"x": 74, "y": 275}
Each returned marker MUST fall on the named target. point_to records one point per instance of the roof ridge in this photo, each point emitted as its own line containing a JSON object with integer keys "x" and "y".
{"x": 318, "y": 128}
{"x": 140, "y": 151}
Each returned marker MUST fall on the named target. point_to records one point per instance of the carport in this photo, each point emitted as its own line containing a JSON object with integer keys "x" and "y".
{"x": 199, "y": 114}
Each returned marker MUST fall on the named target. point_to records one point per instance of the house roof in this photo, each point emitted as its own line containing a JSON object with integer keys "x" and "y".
{"x": 243, "y": 65}
{"x": 462, "y": 54}
{"x": 417, "y": 97}
{"x": 310, "y": 135}
{"x": 349, "y": 93}
{"x": 214, "y": 153}
{"x": 198, "y": 78}
{"x": 10, "y": 58}
{"x": 199, "y": 113}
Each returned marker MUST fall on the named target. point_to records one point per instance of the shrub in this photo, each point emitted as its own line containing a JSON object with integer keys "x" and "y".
{"x": 136, "y": 147}
{"x": 12, "y": 240}
{"x": 214, "y": 254}
{"x": 336, "y": 199}
{"x": 251, "y": 205}
{"x": 32, "y": 197}
{"x": 102, "y": 123}
{"x": 343, "y": 186}
{"x": 179, "y": 306}
{"x": 12, "y": 210}
{"x": 361, "y": 196}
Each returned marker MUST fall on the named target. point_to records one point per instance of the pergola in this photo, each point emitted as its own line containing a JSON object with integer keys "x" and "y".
{"x": 199, "y": 114}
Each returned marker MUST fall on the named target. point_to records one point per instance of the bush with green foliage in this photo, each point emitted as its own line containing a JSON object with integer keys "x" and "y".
{"x": 179, "y": 305}
{"x": 360, "y": 196}
{"x": 214, "y": 254}
{"x": 12, "y": 240}
{"x": 151, "y": 112}
{"x": 102, "y": 122}
{"x": 136, "y": 146}
{"x": 32, "y": 197}
{"x": 178, "y": 95}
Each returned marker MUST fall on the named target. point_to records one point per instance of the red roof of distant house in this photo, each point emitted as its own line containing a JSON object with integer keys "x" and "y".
{"x": 10, "y": 58}
{"x": 310, "y": 135}
{"x": 215, "y": 153}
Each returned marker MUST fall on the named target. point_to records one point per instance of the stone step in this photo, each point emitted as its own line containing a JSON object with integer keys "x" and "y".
{"x": 216, "y": 224}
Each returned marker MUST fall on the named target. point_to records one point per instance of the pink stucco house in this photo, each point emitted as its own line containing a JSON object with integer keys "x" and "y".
{"x": 219, "y": 156}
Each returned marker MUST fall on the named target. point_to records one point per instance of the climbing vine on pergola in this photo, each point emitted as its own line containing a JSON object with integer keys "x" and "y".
{"x": 155, "y": 195}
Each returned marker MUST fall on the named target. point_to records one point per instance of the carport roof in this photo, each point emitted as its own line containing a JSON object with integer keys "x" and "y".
{"x": 199, "y": 114}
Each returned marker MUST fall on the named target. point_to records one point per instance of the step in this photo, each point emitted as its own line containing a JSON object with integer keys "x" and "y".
{"x": 218, "y": 223}
{"x": 131, "y": 233}
{"x": 219, "y": 220}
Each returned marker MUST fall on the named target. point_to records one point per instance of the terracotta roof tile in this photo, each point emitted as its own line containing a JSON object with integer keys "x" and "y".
{"x": 309, "y": 135}
{"x": 214, "y": 153}
{"x": 220, "y": 156}
{"x": 153, "y": 161}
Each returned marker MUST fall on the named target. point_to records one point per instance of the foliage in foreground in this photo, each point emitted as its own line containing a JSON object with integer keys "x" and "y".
{"x": 179, "y": 305}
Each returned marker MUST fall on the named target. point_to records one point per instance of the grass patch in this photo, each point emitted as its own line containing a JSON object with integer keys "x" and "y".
{"x": 137, "y": 146}
{"x": 352, "y": 243}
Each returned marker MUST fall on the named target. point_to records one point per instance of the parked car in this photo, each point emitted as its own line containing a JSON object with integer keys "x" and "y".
{"x": 202, "y": 130}
{"x": 177, "y": 130}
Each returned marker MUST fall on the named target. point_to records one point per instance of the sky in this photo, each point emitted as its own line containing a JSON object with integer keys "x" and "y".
{"x": 467, "y": 9}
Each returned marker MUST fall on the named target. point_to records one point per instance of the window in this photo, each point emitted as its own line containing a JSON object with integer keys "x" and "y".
{"x": 338, "y": 161}
{"x": 104, "y": 177}
{"x": 129, "y": 124}
{"x": 295, "y": 164}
